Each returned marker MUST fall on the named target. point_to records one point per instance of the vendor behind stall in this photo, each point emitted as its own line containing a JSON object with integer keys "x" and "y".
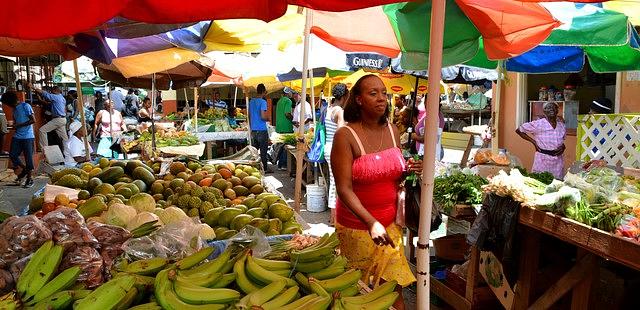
{"x": 547, "y": 136}
{"x": 74, "y": 151}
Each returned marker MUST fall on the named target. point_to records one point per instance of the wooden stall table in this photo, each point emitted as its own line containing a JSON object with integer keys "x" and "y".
{"x": 463, "y": 114}
{"x": 307, "y": 166}
{"x": 208, "y": 138}
{"x": 592, "y": 244}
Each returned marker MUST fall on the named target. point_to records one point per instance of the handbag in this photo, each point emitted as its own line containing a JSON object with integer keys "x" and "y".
{"x": 316, "y": 151}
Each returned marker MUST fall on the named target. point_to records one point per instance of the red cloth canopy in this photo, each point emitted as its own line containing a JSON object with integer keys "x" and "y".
{"x": 36, "y": 19}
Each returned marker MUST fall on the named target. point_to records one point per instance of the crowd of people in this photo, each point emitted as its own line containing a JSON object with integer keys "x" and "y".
{"x": 105, "y": 118}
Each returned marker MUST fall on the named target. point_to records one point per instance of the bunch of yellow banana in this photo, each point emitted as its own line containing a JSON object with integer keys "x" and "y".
{"x": 319, "y": 256}
{"x": 381, "y": 298}
{"x": 191, "y": 285}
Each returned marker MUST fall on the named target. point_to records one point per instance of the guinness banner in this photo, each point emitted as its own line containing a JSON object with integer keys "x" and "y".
{"x": 357, "y": 61}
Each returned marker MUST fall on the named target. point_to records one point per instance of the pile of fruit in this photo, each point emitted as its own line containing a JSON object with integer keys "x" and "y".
{"x": 233, "y": 280}
{"x": 226, "y": 197}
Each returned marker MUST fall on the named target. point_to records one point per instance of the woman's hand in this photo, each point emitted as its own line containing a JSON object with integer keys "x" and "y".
{"x": 379, "y": 235}
{"x": 414, "y": 165}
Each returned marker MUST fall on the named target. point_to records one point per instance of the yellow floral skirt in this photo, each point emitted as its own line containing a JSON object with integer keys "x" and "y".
{"x": 358, "y": 247}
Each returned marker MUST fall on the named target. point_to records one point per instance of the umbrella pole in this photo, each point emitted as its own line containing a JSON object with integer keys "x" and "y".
{"x": 246, "y": 98}
{"x": 313, "y": 99}
{"x": 235, "y": 96}
{"x": 87, "y": 154}
{"x": 496, "y": 109}
{"x": 431, "y": 135}
{"x": 195, "y": 107}
{"x": 300, "y": 145}
{"x": 153, "y": 108}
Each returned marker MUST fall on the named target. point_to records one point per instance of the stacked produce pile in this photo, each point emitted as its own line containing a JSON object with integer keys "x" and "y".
{"x": 164, "y": 138}
{"x": 458, "y": 187}
{"x": 233, "y": 280}
{"x": 598, "y": 197}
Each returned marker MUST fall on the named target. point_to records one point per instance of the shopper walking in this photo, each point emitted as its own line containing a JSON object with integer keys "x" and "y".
{"x": 58, "y": 120}
{"x": 368, "y": 167}
{"x": 258, "y": 117}
{"x": 23, "y": 139}
{"x": 283, "y": 123}
{"x": 107, "y": 129}
{"x": 332, "y": 122}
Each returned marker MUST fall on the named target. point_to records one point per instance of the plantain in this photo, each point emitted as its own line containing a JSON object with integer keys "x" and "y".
{"x": 300, "y": 303}
{"x": 195, "y": 295}
{"x": 194, "y": 258}
{"x": 342, "y": 281}
{"x": 146, "y": 267}
{"x": 288, "y": 296}
{"x": 57, "y": 301}
{"x": 381, "y": 303}
{"x": 376, "y": 293}
{"x": 32, "y": 267}
{"x": 267, "y": 293}
{"x": 148, "y": 306}
{"x": 327, "y": 273}
{"x": 107, "y": 295}
{"x": 350, "y": 291}
{"x": 168, "y": 300}
{"x": 263, "y": 275}
{"x": 273, "y": 264}
{"x": 284, "y": 272}
{"x": 314, "y": 254}
{"x": 44, "y": 271}
{"x": 203, "y": 280}
{"x": 315, "y": 287}
{"x": 61, "y": 282}
{"x": 302, "y": 280}
{"x": 243, "y": 281}
{"x": 315, "y": 266}
{"x": 224, "y": 280}
{"x": 212, "y": 266}
{"x": 128, "y": 299}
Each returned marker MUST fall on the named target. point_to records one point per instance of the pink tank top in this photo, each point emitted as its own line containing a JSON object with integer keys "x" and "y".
{"x": 375, "y": 180}
{"x": 105, "y": 123}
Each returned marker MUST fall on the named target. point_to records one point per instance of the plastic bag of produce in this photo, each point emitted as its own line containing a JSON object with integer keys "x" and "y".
{"x": 108, "y": 234}
{"x": 21, "y": 236}
{"x": 174, "y": 241}
{"x": 253, "y": 237}
{"x": 89, "y": 260}
{"x": 68, "y": 228}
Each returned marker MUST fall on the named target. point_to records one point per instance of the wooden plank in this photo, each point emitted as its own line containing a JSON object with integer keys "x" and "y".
{"x": 601, "y": 243}
{"x": 472, "y": 273}
{"x": 448, "y": 295}
{"x": 582, "y": 268}
{"x": 467, "y": 151}
{"x": 209, "y": 151}
{"x": 528, "y": 265}
{"x": 582, "y": 291}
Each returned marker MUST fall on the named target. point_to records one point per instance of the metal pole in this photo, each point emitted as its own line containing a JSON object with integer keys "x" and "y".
{"x": 235, "y": 96}
{"x": 300, "y": 145}
{"x": 153, "y": 109}
{"x": 496, "y": 110}
{"x": 87, "y": 154}
{"x": 431, "y": 136}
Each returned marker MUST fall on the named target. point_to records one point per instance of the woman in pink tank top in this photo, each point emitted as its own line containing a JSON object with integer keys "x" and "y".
{"x": 368, "y": 167}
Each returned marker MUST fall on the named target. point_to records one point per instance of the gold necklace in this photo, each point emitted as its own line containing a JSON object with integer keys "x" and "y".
{"x": 365, "y": 139}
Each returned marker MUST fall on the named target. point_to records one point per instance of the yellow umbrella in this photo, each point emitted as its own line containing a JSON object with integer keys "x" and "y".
{"x": 401, "y": 84}
{"x": 320, "y": 84}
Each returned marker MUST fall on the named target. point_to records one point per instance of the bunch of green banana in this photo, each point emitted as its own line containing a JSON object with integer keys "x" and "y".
{"x": 381, "y": 298}
{"x": 118, "y": 293}
{"x": 61, "y": 282}
{"x": 40, "y": 270}
{"x": 338, "y": 284}
{"x": 264, "y": 276}
{"x": 194, "y": 259}
{"x": 262, "y": 295}
{"x": 193, "y": 294}
{"x": 167, "y": 298}
{"x": 316, "y": 257}
{"x": 145, "y": 229}
{"x": 146, "y": 267}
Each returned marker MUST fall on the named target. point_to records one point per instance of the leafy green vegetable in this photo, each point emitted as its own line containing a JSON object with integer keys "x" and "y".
{"x": 544, "y": 177}
{"x": 458, "y": 188}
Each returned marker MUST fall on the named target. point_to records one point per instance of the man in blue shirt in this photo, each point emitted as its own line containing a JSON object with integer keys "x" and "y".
{"x": 217, "y": 103}
{"x": 258, "y": 117}
{"x": 23, "y": 139}
{"x": 58, "y": 121}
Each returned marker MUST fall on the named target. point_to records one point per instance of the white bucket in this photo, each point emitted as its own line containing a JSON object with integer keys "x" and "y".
{"x": 316, "y": 199}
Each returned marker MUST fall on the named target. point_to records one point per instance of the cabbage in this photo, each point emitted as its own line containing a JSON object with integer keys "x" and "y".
{"x": 119, "y": 214}
{"x": 173, "y": 215}
{"x": 141, "y": 218}
{"x": 206, "y": 233}
{"x": 142, "y": 202}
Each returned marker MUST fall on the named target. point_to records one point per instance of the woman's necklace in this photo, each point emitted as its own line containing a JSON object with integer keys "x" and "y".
{"x": 364, "y": 137}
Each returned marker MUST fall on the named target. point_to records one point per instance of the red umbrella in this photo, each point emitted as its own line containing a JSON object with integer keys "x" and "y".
{"x": 36, "y": 19}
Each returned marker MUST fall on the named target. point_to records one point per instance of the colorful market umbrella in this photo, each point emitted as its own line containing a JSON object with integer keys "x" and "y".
{"x": 35, "y": 20}
{"x": 187, "y": 75}
{"x": 401, "y": 84}
{"x": 605, "y": 37}
{"x": 509, "y": 28}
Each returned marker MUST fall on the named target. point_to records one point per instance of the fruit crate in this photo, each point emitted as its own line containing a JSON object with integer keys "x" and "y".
{"x": 364, "y": 289}
{"x": 451, "y": 248}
